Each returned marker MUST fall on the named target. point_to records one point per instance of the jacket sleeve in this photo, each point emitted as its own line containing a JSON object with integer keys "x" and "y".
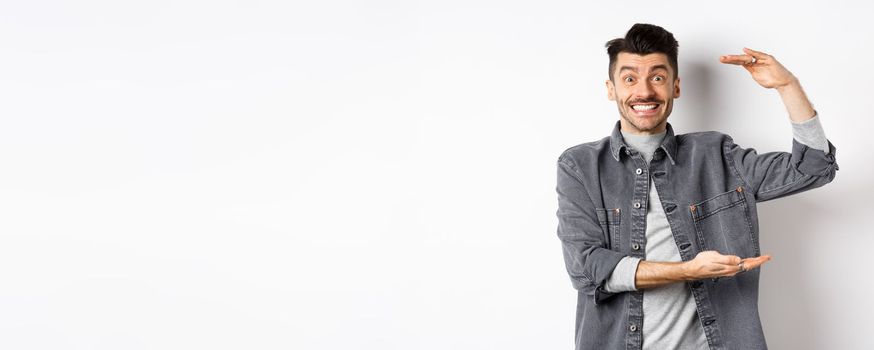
{"x": 588, "y": 260}
{"x": 778, "y": 174}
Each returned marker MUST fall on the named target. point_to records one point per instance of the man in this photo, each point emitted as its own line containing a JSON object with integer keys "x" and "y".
{"x": 659, "y": 231}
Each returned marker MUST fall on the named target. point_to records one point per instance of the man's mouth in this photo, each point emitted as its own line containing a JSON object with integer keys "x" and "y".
{"x": 645, "y": 109}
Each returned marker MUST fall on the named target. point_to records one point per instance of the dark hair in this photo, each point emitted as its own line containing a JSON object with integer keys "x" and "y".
{"x": 644, "y": 39}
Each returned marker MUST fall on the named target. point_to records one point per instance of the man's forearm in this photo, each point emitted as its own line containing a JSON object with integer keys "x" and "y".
{"x": 654, "y": 274}
{"x": 799, "y": 107}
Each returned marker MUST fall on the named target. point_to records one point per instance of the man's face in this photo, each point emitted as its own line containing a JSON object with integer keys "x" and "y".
{"x": 644, "y": 88}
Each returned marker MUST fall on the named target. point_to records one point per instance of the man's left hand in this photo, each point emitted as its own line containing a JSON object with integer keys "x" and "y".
{"x": 764, "y": 68}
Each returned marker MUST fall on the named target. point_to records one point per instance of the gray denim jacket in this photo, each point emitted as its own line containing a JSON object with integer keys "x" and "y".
{"x": 709, "y": 187}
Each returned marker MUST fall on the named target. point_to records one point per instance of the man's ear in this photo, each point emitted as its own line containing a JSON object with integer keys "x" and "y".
{"x": 611, "y": 92}
{"x": 677, "y": 88}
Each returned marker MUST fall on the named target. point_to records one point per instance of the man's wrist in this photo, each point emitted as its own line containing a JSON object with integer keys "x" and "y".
{"x": 799, "y": 107}
{"x": 685, "y": 271}
{"x": 792, "y": 84}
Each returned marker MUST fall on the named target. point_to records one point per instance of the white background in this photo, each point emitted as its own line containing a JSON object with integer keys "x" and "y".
{"x": 381, "y": 174}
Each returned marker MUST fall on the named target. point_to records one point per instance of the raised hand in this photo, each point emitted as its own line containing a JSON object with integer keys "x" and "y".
{"x": 764, "y": 68}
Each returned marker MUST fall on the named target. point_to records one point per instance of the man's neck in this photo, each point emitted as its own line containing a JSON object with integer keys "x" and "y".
{"x": 643, "y": 143}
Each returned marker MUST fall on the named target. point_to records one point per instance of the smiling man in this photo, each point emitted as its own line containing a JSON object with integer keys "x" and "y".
{"x": 643, "y": 112}
{"x": 660, "y": 231}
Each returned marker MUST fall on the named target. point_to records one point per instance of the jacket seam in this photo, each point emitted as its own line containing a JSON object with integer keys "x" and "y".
{"x": 573, "y": 170}
{"x": 731, "y": 161}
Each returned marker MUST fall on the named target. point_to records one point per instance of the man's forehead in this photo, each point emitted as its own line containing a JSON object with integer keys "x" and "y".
{"x": 644, "y": 62}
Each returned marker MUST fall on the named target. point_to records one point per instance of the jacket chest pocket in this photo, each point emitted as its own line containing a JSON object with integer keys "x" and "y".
{"x": 609, "y": 219}
{"x": 722, "y": 223}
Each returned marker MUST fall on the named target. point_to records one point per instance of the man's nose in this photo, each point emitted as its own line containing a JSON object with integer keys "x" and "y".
{"x": 644, "y": 90}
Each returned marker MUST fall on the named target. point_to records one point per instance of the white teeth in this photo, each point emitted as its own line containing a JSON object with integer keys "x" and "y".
{"x": 643, "y": 107}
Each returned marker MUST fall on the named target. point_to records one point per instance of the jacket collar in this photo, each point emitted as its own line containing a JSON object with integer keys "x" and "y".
{"x": 669, "y": 144}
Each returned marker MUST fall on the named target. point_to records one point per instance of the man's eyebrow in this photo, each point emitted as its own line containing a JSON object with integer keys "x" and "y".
{"x": 660, "y": 66}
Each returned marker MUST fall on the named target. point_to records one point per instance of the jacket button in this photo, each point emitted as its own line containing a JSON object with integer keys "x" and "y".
{"x": 636, "y": 205}
{"x": 638, "y": 171}
{"x": 635, "y": 246}
{"x": 632, "y": 328}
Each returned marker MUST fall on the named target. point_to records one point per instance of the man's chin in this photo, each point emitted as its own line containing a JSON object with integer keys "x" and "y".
{"x": 648, "y": 125}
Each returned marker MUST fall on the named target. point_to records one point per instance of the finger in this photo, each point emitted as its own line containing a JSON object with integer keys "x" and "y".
{"x": 736, "y": 59}
{"x": 751, "y": 263}
{"x": 757, "y": 54}
{"x": 726, "y": 266}
{"x": 729, "y": 260}
{"x": 731, "y": 270}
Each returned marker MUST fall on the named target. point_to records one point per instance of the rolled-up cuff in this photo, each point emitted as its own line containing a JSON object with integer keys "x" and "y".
{"x": 622, "y": 279}
{"x": 604, "y": 265}
{"x": 811, "y": 161}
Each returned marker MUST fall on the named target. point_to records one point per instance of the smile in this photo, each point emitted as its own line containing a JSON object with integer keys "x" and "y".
{"x": 645, "y": 109}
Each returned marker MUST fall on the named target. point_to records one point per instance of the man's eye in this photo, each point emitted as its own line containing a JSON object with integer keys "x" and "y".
{"x": 629, "y": 79}
{"x": 658, "y": 78}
